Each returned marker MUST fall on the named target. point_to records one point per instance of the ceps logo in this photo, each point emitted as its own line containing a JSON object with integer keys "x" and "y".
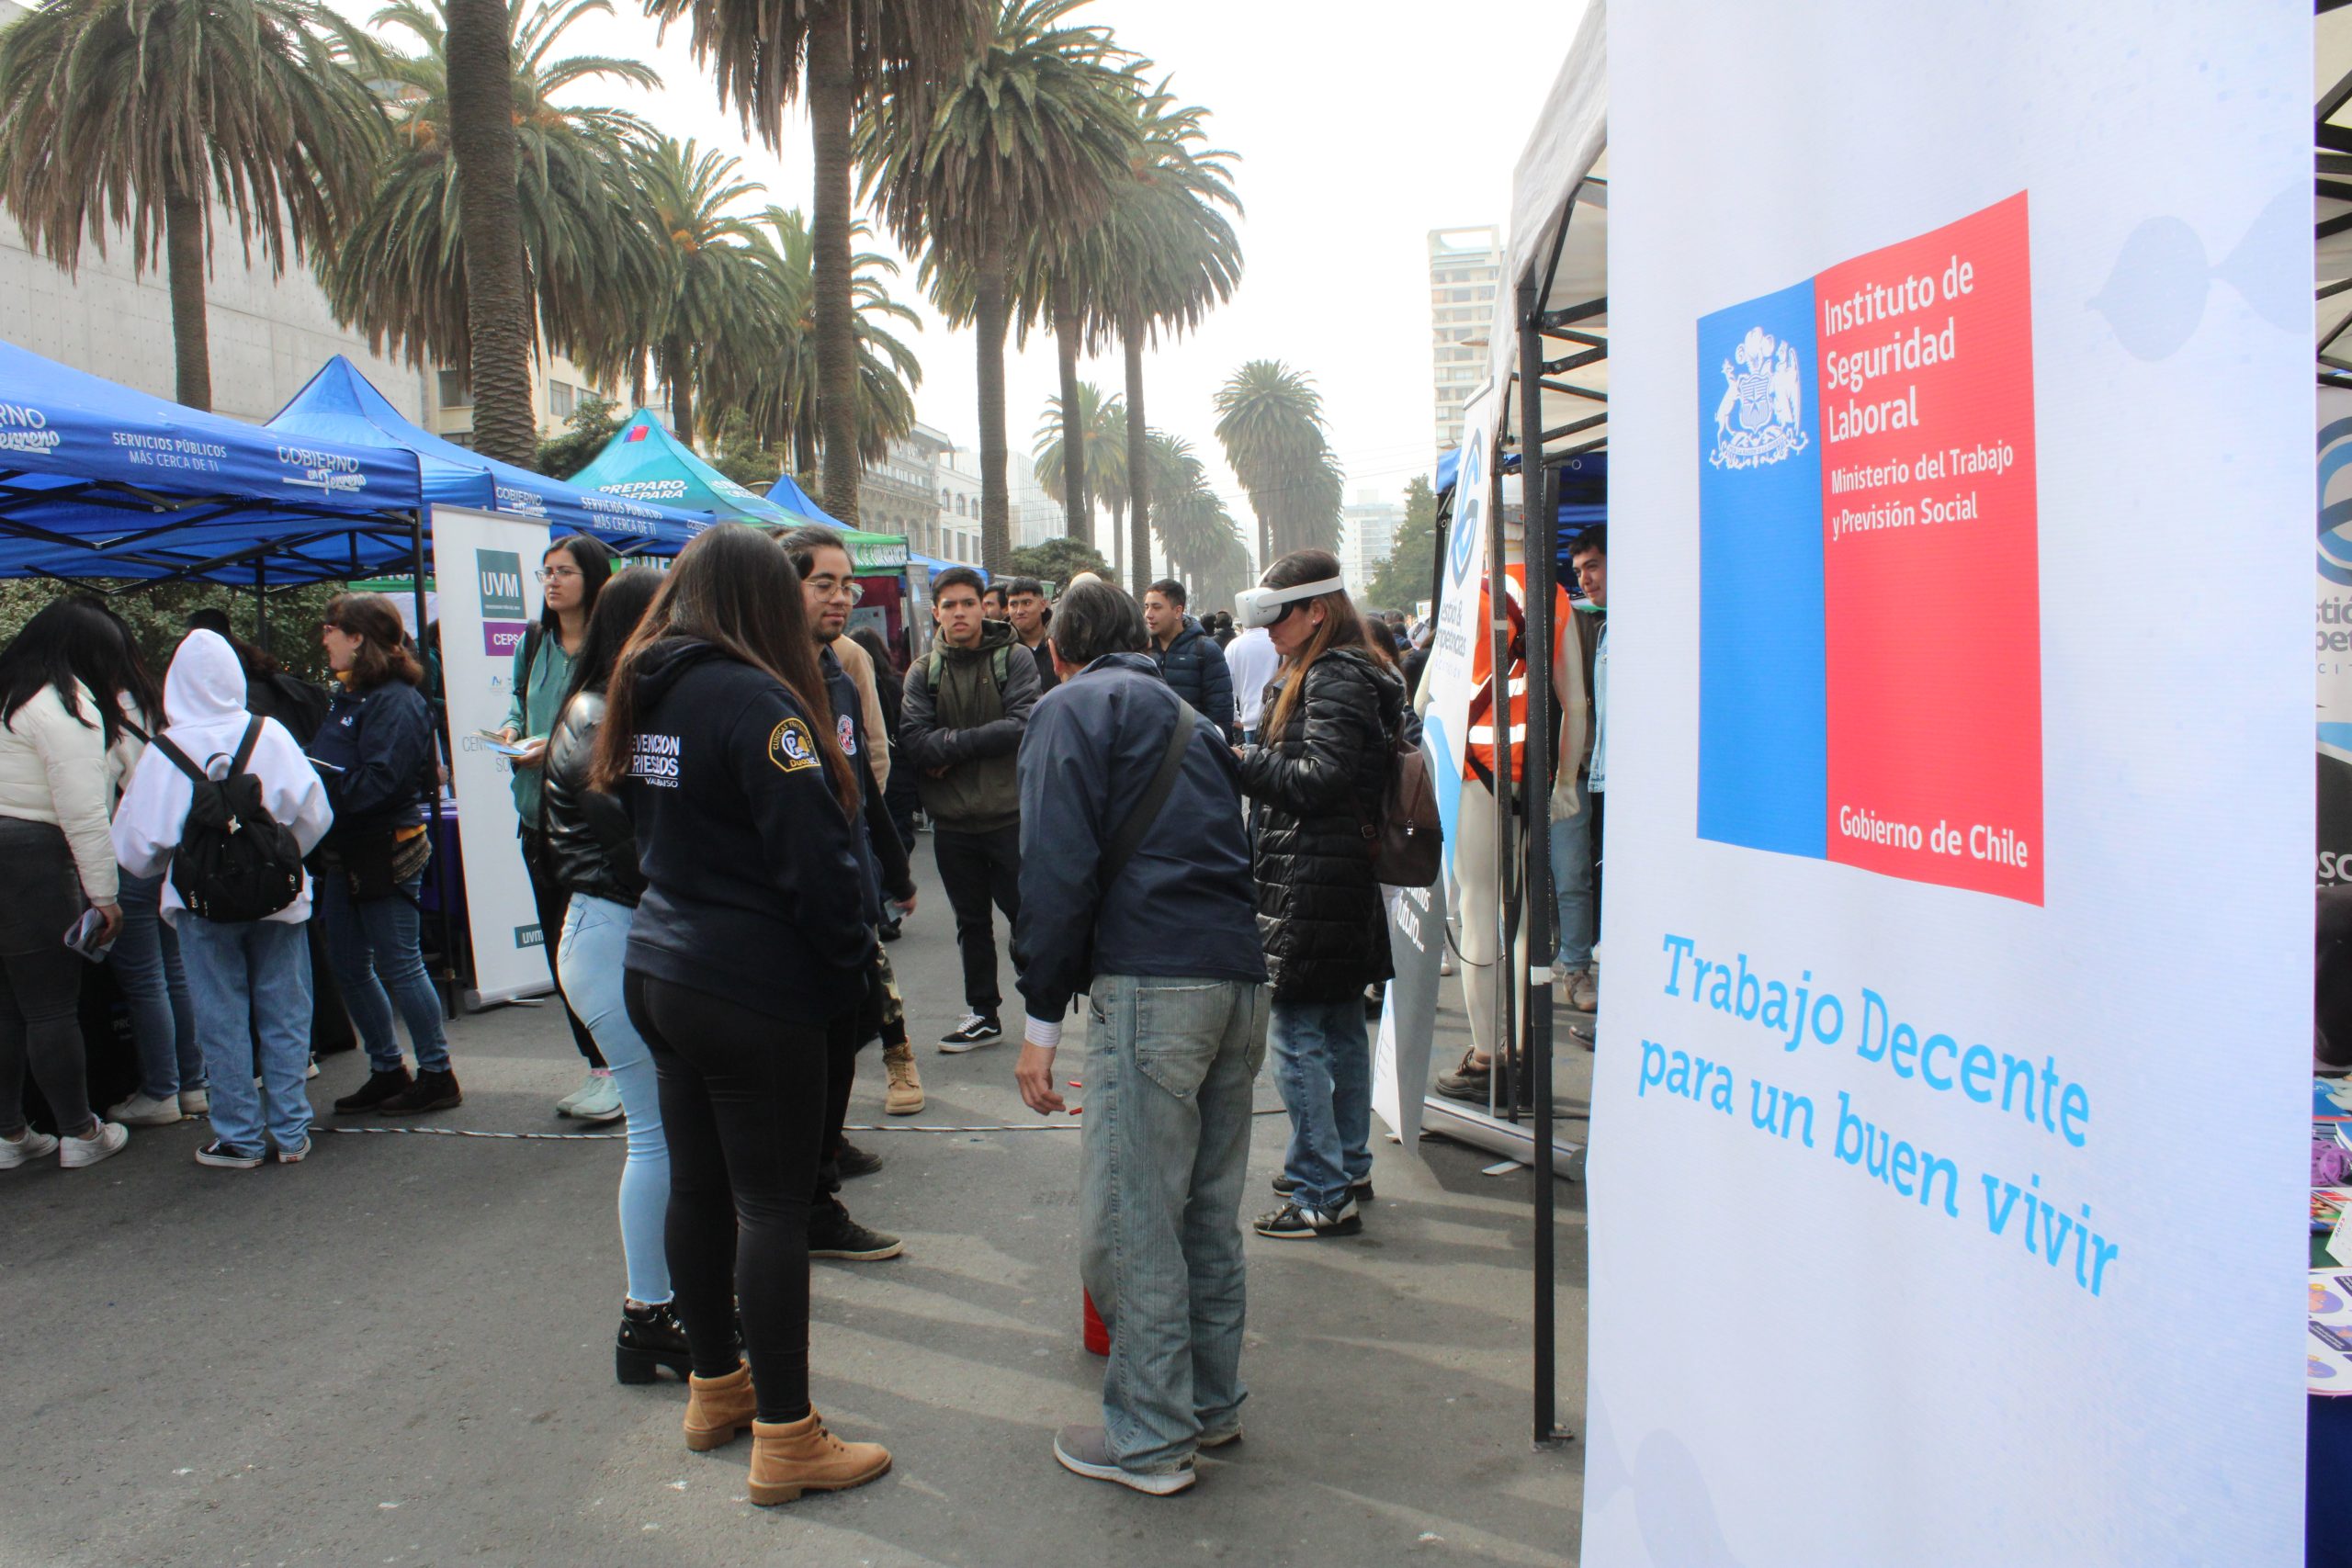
{"x": 1469, "y": 508}
{"x": 2336, "y": 515}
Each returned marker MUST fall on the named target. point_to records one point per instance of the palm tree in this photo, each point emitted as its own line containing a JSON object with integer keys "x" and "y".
{"x": 486, "y": 149}
{"x": 1159, "y": 259}
{"x": 400, "y": 273}
{"x": 836, "y": 54}
{"x": 785, "y": 401}
{"x": 1269, "y": 422}
{"x": 714, "y": 310}
{"x": 1086, "y": 412}
{"x": 151, "y": 116}
{"x": 1028, "y": 138}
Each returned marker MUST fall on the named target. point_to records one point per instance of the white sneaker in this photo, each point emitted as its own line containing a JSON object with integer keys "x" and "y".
{"x": 195, "y": 1102}
{"x": 312, "y": 1071}
{"x": 566, "y": 1106}
{"x": 25, "y": 1147}
{"x": 109, "y": 1141}
{"x": 143, "y": 1110}
{"x": 600, "y": 1100}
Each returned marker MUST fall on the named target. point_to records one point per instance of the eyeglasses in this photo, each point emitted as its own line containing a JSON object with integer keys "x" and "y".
{"x": 836, "y": 588}
{"x": 555, "y": 573}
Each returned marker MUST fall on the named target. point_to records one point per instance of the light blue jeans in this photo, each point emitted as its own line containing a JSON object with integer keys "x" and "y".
{"x": 1166, "y": 1144}
{"x": 589, "y": 963}
{"x": 1572, "y": 884}
{"x": 1323, "y": 1067}
{"x": 245, "y": 977}
{"x": 373, "y": 947}
{"x": 146, "y": 961}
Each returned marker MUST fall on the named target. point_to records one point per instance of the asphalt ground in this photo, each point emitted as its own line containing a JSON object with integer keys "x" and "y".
{"x": 399, "y": 1352}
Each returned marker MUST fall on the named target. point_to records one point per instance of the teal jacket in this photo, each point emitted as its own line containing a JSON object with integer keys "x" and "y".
{"x": 532, "y": 711}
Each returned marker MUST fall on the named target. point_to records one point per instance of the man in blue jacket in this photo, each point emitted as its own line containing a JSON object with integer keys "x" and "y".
{"x": 1165, "y": 939}
{"x": 1188, "y": 658}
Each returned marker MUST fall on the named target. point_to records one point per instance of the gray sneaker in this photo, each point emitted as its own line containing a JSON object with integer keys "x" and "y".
{"x": 1086, "y": 1451}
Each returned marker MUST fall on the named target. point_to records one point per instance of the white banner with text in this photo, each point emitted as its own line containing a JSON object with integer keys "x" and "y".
{"x": 1961, "y": 787}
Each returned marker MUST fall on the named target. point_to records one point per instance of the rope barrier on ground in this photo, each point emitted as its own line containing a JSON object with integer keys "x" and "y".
{"x": 1068, "y": 1127}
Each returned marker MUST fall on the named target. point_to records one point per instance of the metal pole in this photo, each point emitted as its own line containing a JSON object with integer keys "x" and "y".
{"x": 261, "y": 605}
{"x": 1504, "y": 1078}
{"x": 433, "y": 799}
{"x": 1540, "y": 484}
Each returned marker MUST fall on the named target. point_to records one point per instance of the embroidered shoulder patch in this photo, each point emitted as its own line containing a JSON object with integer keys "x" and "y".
{"x": 791, "y": 748}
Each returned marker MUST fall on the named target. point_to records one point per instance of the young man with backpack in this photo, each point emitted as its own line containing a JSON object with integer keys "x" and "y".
{"x": 229, "y": 802}
{"x": 967, "y": 704}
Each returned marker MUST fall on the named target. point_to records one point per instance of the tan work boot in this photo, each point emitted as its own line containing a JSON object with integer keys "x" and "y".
{"x": 792, "y": 1457}
{"x": 904, "y": 1096}
{"x": 718, "y": 1409}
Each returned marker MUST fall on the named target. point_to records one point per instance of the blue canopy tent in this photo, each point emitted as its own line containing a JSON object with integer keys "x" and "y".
{"x": 340, "y": 404}
{"x": 98, "y": 480}
{"x": 644, "y": 462}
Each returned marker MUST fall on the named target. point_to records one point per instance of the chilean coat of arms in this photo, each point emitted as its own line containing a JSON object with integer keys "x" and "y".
{"x": 1760, "y": 418}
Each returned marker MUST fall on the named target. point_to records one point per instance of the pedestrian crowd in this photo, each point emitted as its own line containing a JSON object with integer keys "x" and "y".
{"x": 717, "y": 791}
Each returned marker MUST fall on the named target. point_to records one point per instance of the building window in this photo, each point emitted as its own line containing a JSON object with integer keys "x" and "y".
{"x": 563, "y": 398}
{"x": 455, "y": 393}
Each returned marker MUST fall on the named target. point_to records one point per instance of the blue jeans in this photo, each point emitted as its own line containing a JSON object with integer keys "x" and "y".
{"x": 146, "y": 960}
{"x": 1572, "y": 849}
{"x": 1323, "y": 1067}
{"x": 589, "y": 964}
{"x": 246, "y": 978}
{"x": 1166, "y": 1140}
{"x": 373, "y": 947}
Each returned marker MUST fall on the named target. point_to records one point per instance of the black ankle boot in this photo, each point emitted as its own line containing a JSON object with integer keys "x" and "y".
{"x": 649, "y": 1337}
{"x": 379, "y": 1087}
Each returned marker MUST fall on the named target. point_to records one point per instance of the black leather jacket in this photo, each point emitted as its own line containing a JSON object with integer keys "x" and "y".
{"x": 590, "y": 840}
{"x": 1316, "y": 786}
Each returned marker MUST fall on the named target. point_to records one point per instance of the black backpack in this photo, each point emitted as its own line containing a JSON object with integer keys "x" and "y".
{"x": 236, "y": 861}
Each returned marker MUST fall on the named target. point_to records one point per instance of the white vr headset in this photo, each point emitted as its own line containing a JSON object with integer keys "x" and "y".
{"x": 1265, "y": 607}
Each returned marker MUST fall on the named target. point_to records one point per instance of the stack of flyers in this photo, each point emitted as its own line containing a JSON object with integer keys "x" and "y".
{"x": 2327, "y": 1347}
{"x": 2328, "y": 1206}
{"x": 2331, "y": 1099}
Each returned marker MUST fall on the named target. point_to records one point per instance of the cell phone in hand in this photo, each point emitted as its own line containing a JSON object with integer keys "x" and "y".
{"x": 83, "y": 936}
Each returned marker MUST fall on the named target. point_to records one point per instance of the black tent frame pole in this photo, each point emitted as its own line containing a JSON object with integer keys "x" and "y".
{"x": 449, "y": 977}
{"x": 1540, "y": 484}
{"x": 1503, "y": 1082}
{"x": 261, "y": 604}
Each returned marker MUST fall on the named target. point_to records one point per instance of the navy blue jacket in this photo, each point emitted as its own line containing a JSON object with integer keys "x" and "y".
{"x": 755, "y": 892}
{"x": 1195, "y": 666}
{"x": 1184, "y": 908}
{"x": 376, "y": 752}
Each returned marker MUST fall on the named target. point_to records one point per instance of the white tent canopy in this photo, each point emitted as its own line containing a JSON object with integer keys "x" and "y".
{"x": 1561, "y": 179}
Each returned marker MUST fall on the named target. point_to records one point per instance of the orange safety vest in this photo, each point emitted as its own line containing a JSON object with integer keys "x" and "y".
{"x": 1478, "y": 753}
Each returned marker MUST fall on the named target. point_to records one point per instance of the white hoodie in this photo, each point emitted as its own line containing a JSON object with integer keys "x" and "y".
{"x": 204, "y": 699}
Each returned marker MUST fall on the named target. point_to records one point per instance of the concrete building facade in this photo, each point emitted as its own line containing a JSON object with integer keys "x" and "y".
{"x": 1367, "y": 537}
{"x": 1463, "y": 266}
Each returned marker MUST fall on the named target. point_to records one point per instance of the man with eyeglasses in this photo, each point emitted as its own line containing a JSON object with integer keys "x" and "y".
{"x": 827, "y": 593}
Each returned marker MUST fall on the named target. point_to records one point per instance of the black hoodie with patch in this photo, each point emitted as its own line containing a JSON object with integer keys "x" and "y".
{"x": 754, "y": 889}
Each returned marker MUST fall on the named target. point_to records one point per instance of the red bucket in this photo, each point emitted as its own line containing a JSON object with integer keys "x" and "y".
{"x": 1098, "y": 1334}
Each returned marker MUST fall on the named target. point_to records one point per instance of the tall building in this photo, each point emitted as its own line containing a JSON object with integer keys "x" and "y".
{"x": 900, "y": 494}
{"x": 1367, "y": 537}
{"x": 1463, "y": 266}
{"x": 558, "y": 386}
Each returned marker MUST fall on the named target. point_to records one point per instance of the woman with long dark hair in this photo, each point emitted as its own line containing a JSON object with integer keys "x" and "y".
{"x": 571, "y": 574}
{"x": 1332, "y": 715}
{"x": 375, "y": 754}
{"x": 146, "y": 956}
{"x": 591, "y": 846}
{"x": 66, "y": 681}
{"x": 751, "y": 936}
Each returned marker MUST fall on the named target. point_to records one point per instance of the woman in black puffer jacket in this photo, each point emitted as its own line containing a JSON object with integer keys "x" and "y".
{"x": 1332, "y": 716}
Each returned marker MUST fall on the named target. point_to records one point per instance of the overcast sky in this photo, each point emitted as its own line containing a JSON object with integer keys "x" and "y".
{"x": 1359, "y": 127}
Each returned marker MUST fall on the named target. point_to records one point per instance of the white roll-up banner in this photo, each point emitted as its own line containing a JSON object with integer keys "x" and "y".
{"x": 1948, "y": 1166}
{"x": 488, "y": 598}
